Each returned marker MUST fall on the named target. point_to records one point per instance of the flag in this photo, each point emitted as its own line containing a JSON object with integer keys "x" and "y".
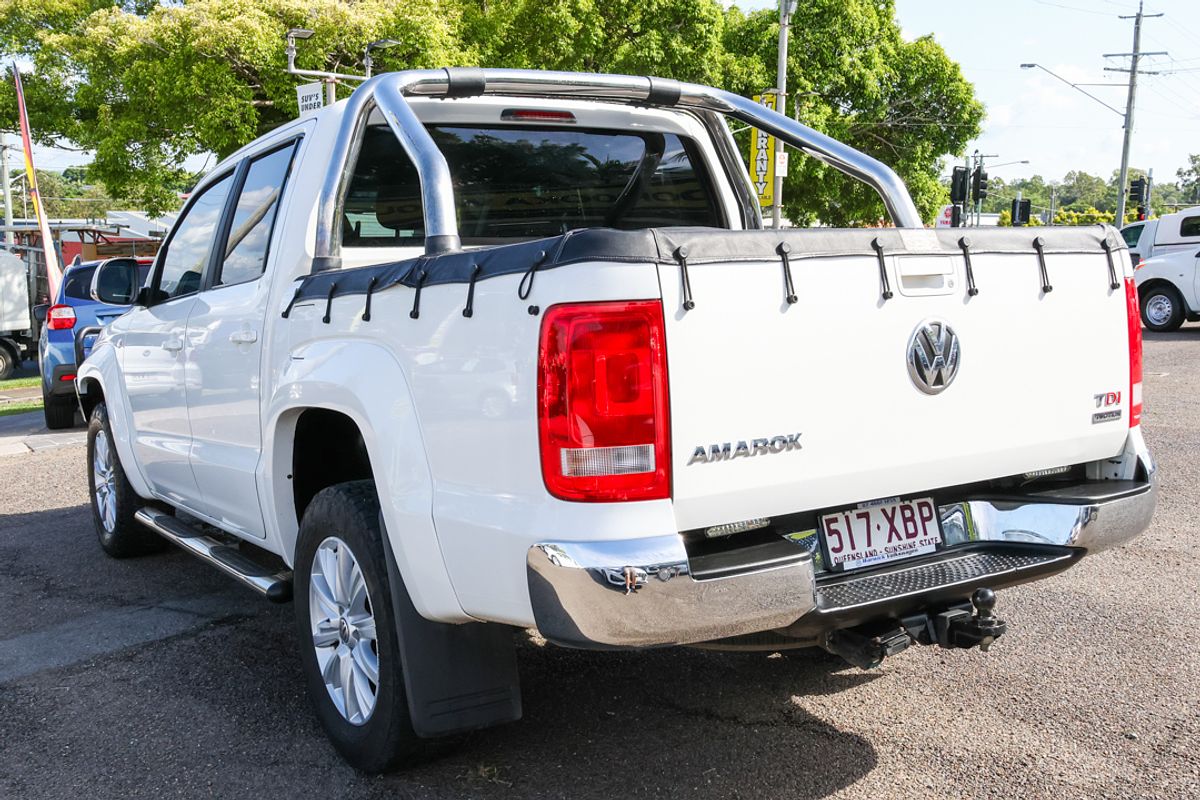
{"x": 53, "y": 271}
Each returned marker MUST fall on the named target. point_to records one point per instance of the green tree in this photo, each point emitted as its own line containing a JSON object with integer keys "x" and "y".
{"x": 145, "y": 85}
{"x": 1189, "y": 180}
{"x": 1079, "y": 187}
{"x": 855, "y": 78}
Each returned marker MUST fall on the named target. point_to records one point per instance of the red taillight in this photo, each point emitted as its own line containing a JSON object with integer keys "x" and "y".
{"x": 602, "y": 402}
{"x": 60, "y": 318}
{"x": 535, "y": 115}
{"x": 1135, "y": 353}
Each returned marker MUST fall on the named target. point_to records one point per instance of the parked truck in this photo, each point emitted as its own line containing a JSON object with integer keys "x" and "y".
{"x": 18, "y": 335}
{"x": 477, "y": 351}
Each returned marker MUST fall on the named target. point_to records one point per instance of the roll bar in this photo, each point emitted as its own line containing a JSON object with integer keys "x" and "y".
{"x": 387, "y": 93}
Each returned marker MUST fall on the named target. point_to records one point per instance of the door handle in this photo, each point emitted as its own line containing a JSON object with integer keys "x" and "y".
{"x": 244, "y": 337}
{"x": 173, "y": 345}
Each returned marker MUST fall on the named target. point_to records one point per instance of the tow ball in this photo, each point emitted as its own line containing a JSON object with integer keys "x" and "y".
{"x": 958, "y": 628}
{"x": 867, "y": 645}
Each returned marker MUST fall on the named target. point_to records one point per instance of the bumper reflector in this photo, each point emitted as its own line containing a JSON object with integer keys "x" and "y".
{"x": 730, "y": 528}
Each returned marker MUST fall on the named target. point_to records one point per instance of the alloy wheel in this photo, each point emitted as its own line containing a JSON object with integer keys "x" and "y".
{"x": 343, "y": 630}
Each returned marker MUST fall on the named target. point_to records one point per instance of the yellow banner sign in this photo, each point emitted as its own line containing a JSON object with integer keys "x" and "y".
{"x": 762, "y": 158}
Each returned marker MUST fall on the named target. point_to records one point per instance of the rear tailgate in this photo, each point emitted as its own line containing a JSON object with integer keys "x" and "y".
{"x": 833, "y": 368}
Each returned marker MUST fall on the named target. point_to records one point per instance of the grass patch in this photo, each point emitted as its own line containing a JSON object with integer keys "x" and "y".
{"x": 20, "y": 407}
{"x": 21, "y": 383}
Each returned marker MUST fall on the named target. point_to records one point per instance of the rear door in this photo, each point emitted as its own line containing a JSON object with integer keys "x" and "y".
{"x": 225, "y": 340}
{"x": 152, "y": 342}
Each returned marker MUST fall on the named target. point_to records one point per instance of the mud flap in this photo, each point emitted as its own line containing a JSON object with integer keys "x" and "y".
{"x": 457, "y": 678}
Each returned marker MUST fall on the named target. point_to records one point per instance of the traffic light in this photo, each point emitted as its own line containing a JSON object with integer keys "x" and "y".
{"x": 1137, "y": 190}
{"x": 958, "y": 185}
{"x": 979, "y": 185}
{"x": 1020, "y": 212}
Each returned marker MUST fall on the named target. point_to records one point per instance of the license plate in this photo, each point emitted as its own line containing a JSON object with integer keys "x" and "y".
{"x": 875, "y": 534}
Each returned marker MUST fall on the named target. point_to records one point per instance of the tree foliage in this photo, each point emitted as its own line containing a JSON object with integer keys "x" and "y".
{"x": 146, "y": 85}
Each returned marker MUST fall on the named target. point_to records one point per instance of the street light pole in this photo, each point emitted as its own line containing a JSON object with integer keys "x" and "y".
{"x": 786, "y": 7}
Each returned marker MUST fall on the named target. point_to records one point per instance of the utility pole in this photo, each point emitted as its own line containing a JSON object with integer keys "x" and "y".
{"x": 6, "y": 186}
{"x": 786, "y": 7}
{"x": 1135, "y": 59}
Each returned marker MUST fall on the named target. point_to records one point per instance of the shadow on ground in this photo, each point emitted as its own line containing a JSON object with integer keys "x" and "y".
{"x": 219, "y": 709}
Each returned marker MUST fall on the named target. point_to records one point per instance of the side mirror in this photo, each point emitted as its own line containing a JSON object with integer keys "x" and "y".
{"x": 39, "y": 312}
{"x": 116, "y": 281}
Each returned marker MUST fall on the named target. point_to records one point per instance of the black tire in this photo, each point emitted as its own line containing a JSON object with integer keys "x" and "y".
{"x": 58, "y": 411}
{"x": 8, "y": 363}
{"x": 1162, "y": 308}
{"x": 385, "y": 740}
{"x": 120, "y": 535}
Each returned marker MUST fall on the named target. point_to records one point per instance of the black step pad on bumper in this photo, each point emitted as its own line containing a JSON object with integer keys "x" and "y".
{"x": 968, "y": 568}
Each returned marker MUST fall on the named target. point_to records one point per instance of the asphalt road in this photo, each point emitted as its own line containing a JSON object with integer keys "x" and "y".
{"x": 158, "y": 677}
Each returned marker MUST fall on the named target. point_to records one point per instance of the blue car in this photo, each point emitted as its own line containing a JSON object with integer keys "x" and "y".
{"x": 70, "y": 327}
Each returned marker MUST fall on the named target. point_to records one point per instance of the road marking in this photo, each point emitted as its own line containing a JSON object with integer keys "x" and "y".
{"x": 105, "y": 632}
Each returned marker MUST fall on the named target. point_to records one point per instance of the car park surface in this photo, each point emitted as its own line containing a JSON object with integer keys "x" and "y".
{"x": 159, "y": 677}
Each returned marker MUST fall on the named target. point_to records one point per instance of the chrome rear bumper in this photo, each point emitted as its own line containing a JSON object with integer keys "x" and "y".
{"x": 640, "y": 592}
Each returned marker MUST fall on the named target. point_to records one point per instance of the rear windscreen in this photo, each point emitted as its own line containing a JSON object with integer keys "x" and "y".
{"x": 78, "y": 283}
{"x": 527, "y": 183}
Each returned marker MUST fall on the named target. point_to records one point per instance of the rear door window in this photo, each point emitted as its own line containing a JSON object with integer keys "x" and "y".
{"x": 254, "y": 217}
{"x": 525, "y": 183}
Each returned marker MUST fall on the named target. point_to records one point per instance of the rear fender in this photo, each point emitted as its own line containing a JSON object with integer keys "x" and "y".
{"x": 365, "y": 382}
{"x": 102, "y": 372}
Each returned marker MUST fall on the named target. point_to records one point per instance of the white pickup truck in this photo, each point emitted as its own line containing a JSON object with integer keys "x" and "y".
{"x": 1169, "y": 288}
{"x": 483, "y": 350}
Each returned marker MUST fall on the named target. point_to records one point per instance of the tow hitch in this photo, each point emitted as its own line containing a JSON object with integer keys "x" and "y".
{"x": 957, "y": 627}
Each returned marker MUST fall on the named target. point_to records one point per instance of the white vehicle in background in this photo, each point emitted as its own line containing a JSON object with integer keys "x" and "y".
{"x": 1166, "y": 234}
{"x": 1169, "y": 288}
{"x": 476, "y": 351}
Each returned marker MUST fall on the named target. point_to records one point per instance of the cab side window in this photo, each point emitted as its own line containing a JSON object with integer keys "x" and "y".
{"x": 254, "y": 218}
{"x": 191, "y": 242}
{"x": 1189, "y": 226}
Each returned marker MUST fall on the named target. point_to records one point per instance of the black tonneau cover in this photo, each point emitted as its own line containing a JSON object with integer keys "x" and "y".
{"x": 701, "y": 245}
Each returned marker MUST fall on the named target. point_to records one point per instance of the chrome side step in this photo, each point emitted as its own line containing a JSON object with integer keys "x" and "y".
{"x": 275, "y": 585}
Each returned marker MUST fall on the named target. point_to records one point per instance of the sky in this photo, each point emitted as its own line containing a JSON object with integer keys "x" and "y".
{"x": 1031, "y": 115}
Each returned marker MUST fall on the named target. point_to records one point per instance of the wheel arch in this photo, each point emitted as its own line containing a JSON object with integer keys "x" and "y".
{"x": 93, "y": 381}
{"x": 1158, "y": 283}
{"x": 347, "y": 383}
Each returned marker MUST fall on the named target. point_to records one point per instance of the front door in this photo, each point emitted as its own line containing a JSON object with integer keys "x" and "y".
{"x": 153, "y": 344}
{"x": 225, "y": 343}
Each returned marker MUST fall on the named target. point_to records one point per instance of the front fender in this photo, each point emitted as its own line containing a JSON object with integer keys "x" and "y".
{"x": 102, "y": 371}
{"x": 364, "y": 381}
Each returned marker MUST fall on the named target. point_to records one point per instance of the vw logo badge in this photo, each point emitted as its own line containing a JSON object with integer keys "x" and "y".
{"x": 933, "y": 356}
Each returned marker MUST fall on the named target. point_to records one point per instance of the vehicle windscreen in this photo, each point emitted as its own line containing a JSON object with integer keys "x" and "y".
{"x": 77, "y": 284}
{"x": 526, "y": 183}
